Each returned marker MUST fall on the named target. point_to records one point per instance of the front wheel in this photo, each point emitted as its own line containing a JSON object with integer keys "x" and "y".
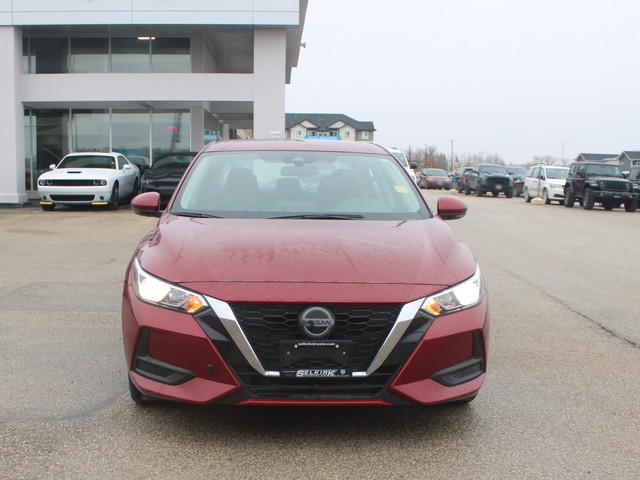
{"x": 569, "y": 199}
{"x": 136, "y": 395}
{"x": 508, "y": 194}
{"x": 545, "y": 197}
{"x": 588, "y": 199}
{"x": 631, "y": 206}
{"x": 115, "y": 198}
{"x": 48, "y": 208}
{"x": 526, "y": 196}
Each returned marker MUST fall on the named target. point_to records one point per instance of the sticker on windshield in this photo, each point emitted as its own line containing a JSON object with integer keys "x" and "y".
{"x": 401, "y": 189}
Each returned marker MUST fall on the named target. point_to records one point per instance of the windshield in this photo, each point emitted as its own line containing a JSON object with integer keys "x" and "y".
{"x": 558, "y": 173}
{"x": 400, "y": 157}
{"x": 88, "y": 161}
{"x": 297, "y": 184}
{"x": 604, "y": 169}
{"x": 517, "y": 170}
{"x": 492, "y": 169}
{"x": 174, "y": 162}
{"x": 436, "y": 172}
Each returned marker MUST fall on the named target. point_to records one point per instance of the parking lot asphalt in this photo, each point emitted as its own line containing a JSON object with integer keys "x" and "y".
{"x": 560, "y": 400}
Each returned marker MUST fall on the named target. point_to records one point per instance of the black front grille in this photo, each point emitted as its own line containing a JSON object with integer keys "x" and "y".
{"x": 497, "y": 181}
{"x": 615, "y": 186}
{"x": 73, "y": 183}
{"x": 266, "y": 326}
{"x": 72, "y": 198}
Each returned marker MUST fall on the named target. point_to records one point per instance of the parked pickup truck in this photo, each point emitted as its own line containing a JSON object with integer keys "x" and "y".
{"x": 486, "y": 178}
{"x": 593, "y": 182}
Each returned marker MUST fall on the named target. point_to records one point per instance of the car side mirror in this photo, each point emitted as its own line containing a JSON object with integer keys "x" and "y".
{"x": 451, "y": 208}
{"x": 52, "y": 166}
{"x": 413, "y": 165}
{"x": 146, "y": 204}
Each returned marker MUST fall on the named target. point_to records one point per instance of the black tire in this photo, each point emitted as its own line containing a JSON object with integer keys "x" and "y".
{"x": 48, "y": 208}
{"x": 495, "y": 194}
{"x": 467, "y": 190}
{"x": 136, "y": 188}
{"x": 114, "y": 201}
{"x": 545, "y": 197}
{"x": 588, "y": 199}
{"x": 631, "y": 206}
{"x": 527, "y": 197}
{"x": 136, "y": 395}
{"x": 508, "y": 194}
{"x": 569, "y": 199}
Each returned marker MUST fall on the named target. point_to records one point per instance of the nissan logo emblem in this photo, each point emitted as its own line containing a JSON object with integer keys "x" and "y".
{"x": 316, "y": 322}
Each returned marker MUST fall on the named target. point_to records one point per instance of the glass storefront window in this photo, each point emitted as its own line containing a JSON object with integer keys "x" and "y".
{"x": 51, "y": 137}
{"x": 130, "y": 134}
{"x": 48, "y": 133}
{"x": 49, "y": 55}
{"x": 90, "y": 130}
{"x": 89, "y": 55}
{"x": 130, "y": 55}
{"x": 171, "y": 55}
{"x": 171, "y": 130}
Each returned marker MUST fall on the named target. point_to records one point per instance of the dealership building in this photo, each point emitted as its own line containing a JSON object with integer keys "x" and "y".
{"x": 141, "y": 77}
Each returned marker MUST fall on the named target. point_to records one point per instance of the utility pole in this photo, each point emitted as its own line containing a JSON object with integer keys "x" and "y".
{"x": 451, "y": 161}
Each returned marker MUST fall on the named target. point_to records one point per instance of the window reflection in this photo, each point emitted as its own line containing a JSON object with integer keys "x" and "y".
{"x": 170, "y": 55}
{"x": 130, "y": 55}
{"x": 171, "y": 130}
{"x": 90, "y": 130}
{"x": 89, "y": 55}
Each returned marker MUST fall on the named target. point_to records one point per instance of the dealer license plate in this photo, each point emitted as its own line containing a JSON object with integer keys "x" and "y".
{"x": 336, "y": 355}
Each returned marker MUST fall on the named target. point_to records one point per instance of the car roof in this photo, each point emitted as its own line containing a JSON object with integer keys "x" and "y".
{"x": 296, "y": 145}
{"x": 96, "y": 154}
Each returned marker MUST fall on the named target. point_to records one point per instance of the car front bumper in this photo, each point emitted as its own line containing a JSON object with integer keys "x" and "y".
{"x": 213, "y": 357}
{"x": 601, "y": 195}
{"x": 69, "y": 195}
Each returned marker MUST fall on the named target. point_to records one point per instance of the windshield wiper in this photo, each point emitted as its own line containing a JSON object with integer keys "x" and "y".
{"x": 322, "y": 216}
{"x": 194, "y": 215}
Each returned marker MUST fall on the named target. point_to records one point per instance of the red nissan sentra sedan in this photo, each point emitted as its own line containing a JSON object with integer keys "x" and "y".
{"x": 287, "y": 272}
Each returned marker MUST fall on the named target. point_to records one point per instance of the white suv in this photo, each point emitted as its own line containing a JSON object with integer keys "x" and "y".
{"x": 545, "y": 181}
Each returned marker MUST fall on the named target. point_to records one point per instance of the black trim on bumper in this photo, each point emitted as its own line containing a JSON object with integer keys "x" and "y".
{"x": 155, "y": 369}
{"x": 465, "y": 371}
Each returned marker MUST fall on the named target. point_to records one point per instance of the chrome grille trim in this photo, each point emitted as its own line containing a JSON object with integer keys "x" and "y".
{"x": 230, "y": 323}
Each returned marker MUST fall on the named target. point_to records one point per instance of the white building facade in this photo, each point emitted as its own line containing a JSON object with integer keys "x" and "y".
{"x": 141, "y": 77}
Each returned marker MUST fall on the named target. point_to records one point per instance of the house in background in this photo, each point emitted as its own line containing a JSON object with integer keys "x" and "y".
{"x": 328, "y": 126}
{"x": 628, "y": 158}
{"x": 596, "y": 157}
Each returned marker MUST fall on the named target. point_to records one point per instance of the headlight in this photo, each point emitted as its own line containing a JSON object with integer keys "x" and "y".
{"x": 459, "y": 297}
{"x": 152, "y": 290}
{"x": 100, "y": 182}
{"x": 45, "y": 182}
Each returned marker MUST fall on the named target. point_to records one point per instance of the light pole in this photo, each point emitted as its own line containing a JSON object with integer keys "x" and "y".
{"x": 451, "y": 162}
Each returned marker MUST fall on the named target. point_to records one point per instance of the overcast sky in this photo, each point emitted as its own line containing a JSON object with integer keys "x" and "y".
{"x": 517, "y": 78}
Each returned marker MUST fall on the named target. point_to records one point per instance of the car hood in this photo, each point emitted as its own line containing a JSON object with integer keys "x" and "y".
{"x": 164, "y": 174}
{"x": 80, "y": 173}
{"x": 495, "y": 175}
{"x": 192, "y": 250}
